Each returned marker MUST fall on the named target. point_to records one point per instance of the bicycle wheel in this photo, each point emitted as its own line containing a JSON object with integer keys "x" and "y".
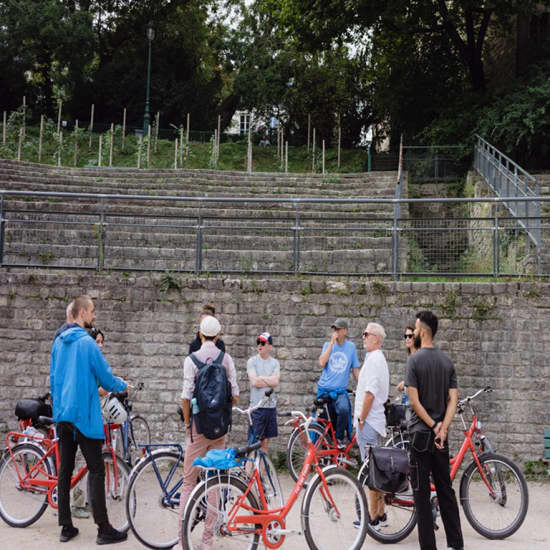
{"x": 297, "y": 449}
{"x": 208, "y": 509}
{"x": 271, "y": 484}
{"x": 398, "y": 440}
{"x": 400, "y": 512}
{"x": 152, "y": 503}
{"x": 499, "y": 512}
{"x": 21, "y": 504}
{"x": 140, "y": 434}
{"x": 117, "y": 479}
{"x": 329, "y": 511}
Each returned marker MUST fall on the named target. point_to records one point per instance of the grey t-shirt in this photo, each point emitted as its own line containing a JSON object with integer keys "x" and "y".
{"x": 262, "y": 367}
{"x": 432, "y": 373}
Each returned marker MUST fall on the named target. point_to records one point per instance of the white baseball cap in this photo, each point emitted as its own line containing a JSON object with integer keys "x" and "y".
{"x": 210, "y": 326}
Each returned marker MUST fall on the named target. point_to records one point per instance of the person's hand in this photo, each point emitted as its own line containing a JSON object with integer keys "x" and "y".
{"x": 441, "y": 437}
{"x": 401, "y": 386}
{"x": 334, "y": 336}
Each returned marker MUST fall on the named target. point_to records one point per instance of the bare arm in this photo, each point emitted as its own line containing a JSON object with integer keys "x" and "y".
{"x": 186, "y": 408}
{"x": 324, "y": 357}
{"x": 367, "y": 404}
{"x": 256, "y": 381}
{"x": 419, "y": 409}
{"x": 449, "y": 415}
{"x": 272, "y": 380}
{"x": 356, "y": 373}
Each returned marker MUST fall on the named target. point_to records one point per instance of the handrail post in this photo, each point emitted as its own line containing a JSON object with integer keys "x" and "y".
{"x": 496, "y": 255}
{"x": 296, "y": 240}
{"x": 101, "y": 237}
{"x": 2, "y": 229}
{"x": 198, "y": 246}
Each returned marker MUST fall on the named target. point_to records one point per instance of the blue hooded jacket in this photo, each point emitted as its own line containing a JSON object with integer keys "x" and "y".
{"x": 77, "y": 368}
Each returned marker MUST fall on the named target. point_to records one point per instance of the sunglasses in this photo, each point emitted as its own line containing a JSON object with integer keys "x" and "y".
{"x": 406, "y": 336}
{"x": 260, "y": 343}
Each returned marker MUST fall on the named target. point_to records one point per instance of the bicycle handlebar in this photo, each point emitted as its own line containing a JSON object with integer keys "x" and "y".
{"x": 259, "y": 405}
{"x": 486, "y": 389}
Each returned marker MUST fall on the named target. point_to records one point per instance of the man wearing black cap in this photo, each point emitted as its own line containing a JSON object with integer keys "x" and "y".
{"x": 264, "y": 373}
{"x": 338, "y": 358}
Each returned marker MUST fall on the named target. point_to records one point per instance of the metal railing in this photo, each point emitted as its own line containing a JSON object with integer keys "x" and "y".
{"x": 351, "y": 237}
{"x": 507, "y": 179}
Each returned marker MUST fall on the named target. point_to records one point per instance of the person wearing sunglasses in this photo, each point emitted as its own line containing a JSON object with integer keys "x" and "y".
{"x": 264, "y": 373}
{"x": 412, "y": 344}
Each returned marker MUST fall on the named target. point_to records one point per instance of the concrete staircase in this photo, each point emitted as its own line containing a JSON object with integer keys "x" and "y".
{"x": 243, "y": 235}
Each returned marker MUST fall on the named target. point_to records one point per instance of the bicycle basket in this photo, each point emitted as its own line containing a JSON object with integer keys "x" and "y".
{"x": 395, "y": 413}
{"x": 113, "y": 411}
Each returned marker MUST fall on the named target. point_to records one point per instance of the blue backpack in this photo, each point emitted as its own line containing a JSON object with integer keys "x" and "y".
{"x": 213, "y": 397}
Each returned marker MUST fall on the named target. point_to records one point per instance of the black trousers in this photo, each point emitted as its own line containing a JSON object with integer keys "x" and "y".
{"x": 425, "y": 459}
{"x": 69, "y": 440}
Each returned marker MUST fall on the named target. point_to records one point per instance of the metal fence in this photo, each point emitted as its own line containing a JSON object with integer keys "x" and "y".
{"x": 508, "y": 179}
{"x": 201, "y": 235}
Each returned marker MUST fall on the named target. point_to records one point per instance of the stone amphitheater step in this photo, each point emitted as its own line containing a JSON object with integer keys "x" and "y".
{"x": 161, "y": 234}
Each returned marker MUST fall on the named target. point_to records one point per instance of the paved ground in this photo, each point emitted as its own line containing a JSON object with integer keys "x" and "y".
{"x": 533, "y": 535}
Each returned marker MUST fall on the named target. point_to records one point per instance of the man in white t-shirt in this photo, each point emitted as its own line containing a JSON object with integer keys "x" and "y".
{"x": 371, "y": 394}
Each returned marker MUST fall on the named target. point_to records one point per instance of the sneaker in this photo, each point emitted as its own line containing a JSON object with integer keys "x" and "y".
{"x": 110, "y": 535}
{"x": 375, "y": 525}
{"x": 68, "y": 532}
{"x": 383, "y": 520}
{"x": 357, "y": 524}
{"x": 79, "y": 512}
{"x": 341, "y": 443}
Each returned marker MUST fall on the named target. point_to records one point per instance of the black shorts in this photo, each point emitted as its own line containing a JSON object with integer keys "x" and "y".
{"x": 264, "y": 422}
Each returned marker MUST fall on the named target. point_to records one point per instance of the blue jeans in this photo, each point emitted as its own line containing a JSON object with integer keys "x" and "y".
{"x": 342, "y": 411}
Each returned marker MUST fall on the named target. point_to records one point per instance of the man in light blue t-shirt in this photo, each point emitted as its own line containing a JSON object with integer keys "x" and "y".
{"x": 338, "y": 358}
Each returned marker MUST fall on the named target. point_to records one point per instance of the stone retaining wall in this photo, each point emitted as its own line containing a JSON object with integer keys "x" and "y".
{"x": 495, "y": 333}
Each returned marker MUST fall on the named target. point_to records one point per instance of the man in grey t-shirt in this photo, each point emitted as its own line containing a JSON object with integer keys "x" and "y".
{"x": 264, "y": 373}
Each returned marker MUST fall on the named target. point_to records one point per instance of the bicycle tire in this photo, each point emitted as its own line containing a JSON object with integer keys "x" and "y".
{"x": 153, "y": 519}
{"x": 272, "y": 486}
{"x": 199, "y": 504}
{"x": 400, "y": 511}
{"x": 328, "y": 519}
{"x": 22, "y": 507}
{"x": 140, "y": 434}
{"x": 297, "y": 450}
{"x": 510, "y": 489}
{"x": 116, "y": 490}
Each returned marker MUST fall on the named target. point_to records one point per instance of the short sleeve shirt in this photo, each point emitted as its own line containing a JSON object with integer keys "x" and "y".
{"x": 433, "y": 374}
{"x": 336, "y": 372}
{"x": 262, "y": 367}
{"x": 374, "y": 378}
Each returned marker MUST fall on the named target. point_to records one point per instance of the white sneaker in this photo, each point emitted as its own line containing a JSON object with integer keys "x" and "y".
{"x": 78, "y": 512}
{"x": 383, "y": 520}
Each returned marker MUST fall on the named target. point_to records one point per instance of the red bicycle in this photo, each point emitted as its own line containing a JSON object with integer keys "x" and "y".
{"x": 321, "y": 432}
{"x": 28, "y": 478}
{"x": 493, "y": 490}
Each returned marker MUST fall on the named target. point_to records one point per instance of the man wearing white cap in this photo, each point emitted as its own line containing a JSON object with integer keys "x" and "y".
{"x": 198, "y": 445}
{"x": 372, "y": 392}
{"x": 264, "y": 374}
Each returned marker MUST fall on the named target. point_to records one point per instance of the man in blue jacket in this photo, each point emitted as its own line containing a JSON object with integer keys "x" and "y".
{"x": 77, "y": 368}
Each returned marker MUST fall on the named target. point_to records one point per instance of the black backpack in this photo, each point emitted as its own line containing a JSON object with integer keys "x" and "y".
{"x": 214, "y": 398}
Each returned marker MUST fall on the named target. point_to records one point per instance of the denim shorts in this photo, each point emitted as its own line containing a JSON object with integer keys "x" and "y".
{"x": 367, "y": 435}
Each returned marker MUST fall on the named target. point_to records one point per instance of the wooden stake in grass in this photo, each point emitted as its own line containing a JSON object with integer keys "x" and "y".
{"x": 59, "y": 117}
{"x": 76, "y": 142}
{"x": 91, "y": 127}
{"x": 124, "y": 128}
{"x": 24, "y": 114}
{"x": 4, "y": 123}
{"x": 313, "y": 152}
{"x": 99, "y": 151}
{"x": 323, "y": 157}
{"x": 60, "y": 137}
{"x": 149, "y": 146}
{"x": 40, "y": 137}
{"x": 339, "y": 139}
{"x": 286, "y": 157}
{"x": 249, "y": 156}
{"x": 181, "y": 146}
{"x": 176, "y": 154}
{"x": 219, "y": 131}
{"x": 20, "y": 143}
{"x": 308, "y": 130}
{"x": 278, "y": 139}
{"x": 111, "y": 144}
{"x": 139, "y": 152}
{"x": 157, "y": 130}
{"x": 187, "y": 136}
